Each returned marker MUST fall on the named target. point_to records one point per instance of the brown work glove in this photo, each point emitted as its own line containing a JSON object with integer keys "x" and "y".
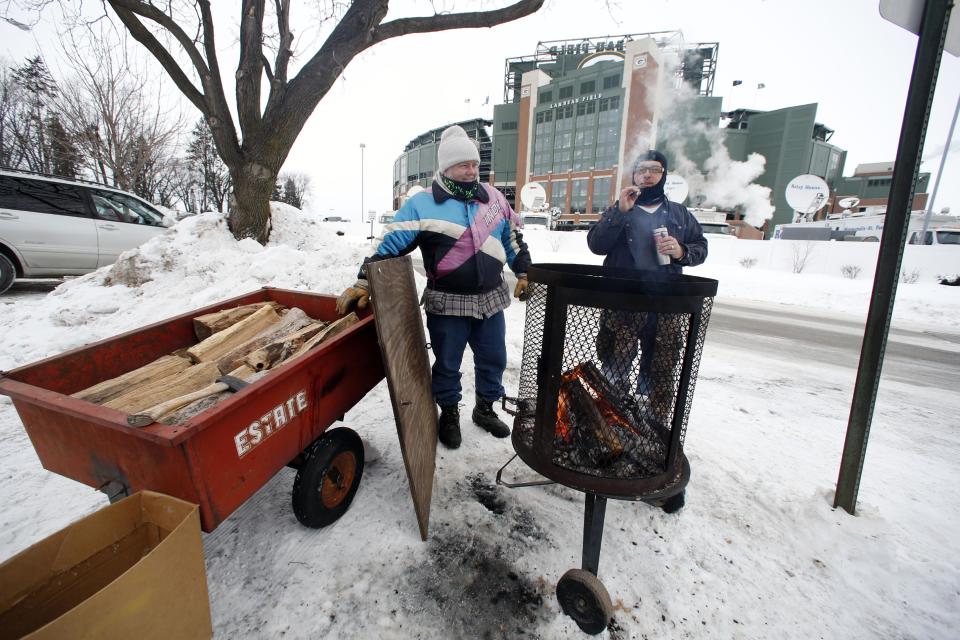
{"x": 520, "y": 291}
{"x": 359, "y": 293}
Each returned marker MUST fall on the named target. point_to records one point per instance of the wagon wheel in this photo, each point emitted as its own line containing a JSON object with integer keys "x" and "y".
{"x": 584, "y": 598}
{"x": 328, "y": 478}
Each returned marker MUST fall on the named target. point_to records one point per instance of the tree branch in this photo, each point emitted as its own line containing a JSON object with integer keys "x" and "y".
{"x": 250, "y": 68}
{"x": 211, "y": 102}
{"x": 443, "y": 22}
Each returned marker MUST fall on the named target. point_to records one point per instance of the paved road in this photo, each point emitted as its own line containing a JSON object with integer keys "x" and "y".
{"x": 925, "y": 357}
{"x": 918, "y": 356}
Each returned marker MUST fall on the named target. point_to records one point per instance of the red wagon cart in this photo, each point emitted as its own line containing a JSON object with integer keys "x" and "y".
{"x": 222, "y": 456}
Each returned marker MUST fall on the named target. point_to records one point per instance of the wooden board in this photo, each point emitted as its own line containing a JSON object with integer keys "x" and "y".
{"x": 396, "y": 312}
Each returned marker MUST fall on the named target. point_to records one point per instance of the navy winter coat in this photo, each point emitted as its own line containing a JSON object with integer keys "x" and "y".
{"x": 626, "y": 239}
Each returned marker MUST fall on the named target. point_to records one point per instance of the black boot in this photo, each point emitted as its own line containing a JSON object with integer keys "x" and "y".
{"x": 448, "y": 429}
{"x": 484, "y": 416}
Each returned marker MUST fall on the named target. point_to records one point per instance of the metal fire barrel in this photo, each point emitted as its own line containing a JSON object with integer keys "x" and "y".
{"x": 610, "y": 362}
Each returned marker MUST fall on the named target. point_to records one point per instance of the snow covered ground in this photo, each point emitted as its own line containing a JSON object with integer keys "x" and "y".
{"x": 758, "y": 551}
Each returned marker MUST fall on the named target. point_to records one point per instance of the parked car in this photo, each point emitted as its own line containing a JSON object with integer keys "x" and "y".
{"x": 52, "y": 227}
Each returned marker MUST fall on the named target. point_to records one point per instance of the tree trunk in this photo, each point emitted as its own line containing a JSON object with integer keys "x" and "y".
{"x": 250, "y": 202}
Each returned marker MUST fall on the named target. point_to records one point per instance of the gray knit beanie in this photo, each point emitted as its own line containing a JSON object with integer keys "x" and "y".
{"x": 455, "y": 147}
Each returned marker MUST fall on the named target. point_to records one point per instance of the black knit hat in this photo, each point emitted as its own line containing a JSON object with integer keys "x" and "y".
{"x": 654, "y": 194}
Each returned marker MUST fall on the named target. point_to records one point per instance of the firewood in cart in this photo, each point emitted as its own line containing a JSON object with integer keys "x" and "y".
{"x": 195, "y": 408}
{"x": 208, "y": 324}
{"x": 154, "y": 413}
{"x": 332, "y": 329}
{"x": 156, "y": 391}
{"x": 223, "y": 342}
{"x": 108, "y": 389}
{"x": 282, "y": 348}
{"x": 294, "y": 320}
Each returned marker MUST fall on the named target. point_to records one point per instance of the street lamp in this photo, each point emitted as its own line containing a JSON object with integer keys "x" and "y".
{"x": 362, "y": 147}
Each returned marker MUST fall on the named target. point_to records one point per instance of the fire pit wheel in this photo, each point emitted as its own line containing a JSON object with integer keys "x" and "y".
{"x": 584, "y": 598}
{"x": 328, "y": 478}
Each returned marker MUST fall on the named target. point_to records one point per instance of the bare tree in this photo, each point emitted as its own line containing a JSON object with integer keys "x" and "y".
{"x": 255, "y": 146}
{"x": 125, "y": 133}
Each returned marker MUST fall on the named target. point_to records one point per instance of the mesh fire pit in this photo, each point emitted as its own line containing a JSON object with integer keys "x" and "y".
{"x": 610, "y": 359}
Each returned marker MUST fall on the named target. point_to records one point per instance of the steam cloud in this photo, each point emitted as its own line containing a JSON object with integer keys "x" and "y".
{"x": 726, "y": 183}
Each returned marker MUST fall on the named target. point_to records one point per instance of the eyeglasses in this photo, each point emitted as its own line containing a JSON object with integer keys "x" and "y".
{"x": 651, "y": 169}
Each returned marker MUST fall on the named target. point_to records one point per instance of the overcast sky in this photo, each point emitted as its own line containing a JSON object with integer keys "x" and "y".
{"x": 840, "y": 54}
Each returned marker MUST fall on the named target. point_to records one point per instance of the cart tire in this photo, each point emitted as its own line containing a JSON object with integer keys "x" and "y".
{"x": 328, "y": 478}
{"x": 584, "y": 598}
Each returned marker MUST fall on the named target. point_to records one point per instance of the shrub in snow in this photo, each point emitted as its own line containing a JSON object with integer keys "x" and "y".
{"x": 850, "y": 271}
{"x": 910, "y": 277}
{"x": 801, "y": 255}
{"x": 748, "y": 262}
{"x": 555, "y": 241}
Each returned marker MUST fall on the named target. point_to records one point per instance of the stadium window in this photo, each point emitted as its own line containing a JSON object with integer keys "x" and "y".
{"x": 566, "y": 92}
{"x": 546, "y": 96}
{"x": 611, "y": 81}
{"x": 510, "y": 126}
{"x": 614, "y": 103}
{"x": 540, "y": 117}
{"x": 588, "y": 87}
{"x": 604, "y": 104}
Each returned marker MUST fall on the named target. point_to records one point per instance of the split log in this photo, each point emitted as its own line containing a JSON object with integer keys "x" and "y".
{"x": 153, "y": 414}
{"x": 334, "y": 328}
{"x": 282, "y": 348}
{"x": 593, "y": 435}
{"x": 156, "y": 370}
{"x": 295, "y": 320}
{"x": 223, "y": 342}
{"x": 156, "y": 391}
{"x": 199, "y": 406}
{"x": 208, "y": 324}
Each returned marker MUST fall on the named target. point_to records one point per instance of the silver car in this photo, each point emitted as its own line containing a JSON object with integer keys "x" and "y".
{"x": 52, "y": 227}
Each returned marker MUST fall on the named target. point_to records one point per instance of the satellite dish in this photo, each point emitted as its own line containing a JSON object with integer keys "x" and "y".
{"x": 414, "y": 190}
{"x": 807, "y": 193}
{"x": 533, "y": 195}
{"x": 676, "y": 188}
{"x": 849, "y": 203}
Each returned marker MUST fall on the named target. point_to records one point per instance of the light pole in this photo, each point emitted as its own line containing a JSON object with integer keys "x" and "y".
{"x": 362, "y": 147}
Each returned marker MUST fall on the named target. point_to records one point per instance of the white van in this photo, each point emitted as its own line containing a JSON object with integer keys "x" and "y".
{"x": 52, "y": 227}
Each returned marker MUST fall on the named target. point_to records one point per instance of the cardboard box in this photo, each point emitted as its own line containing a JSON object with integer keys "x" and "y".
{"x": 133, "y": 569}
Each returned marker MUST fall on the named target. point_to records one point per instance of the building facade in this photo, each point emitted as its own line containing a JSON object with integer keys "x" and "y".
{"x": 576, "y": 114}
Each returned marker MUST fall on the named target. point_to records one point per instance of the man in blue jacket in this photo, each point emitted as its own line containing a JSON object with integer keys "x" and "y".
{"x": 625, "y": 235}
{"x": 466, "y": 232}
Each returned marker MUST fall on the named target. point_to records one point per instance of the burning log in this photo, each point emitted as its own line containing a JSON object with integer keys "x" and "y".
{"x": 591, "y": 433}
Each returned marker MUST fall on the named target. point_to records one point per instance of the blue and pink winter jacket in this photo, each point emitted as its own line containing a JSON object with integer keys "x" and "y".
{"x": 464, "y": 244}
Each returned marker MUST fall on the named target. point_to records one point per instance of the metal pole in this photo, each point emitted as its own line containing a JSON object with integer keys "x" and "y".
{"x": 926, "y": 64}
{"x": 936, "y": 183}
{"x": 362, "y": 147}
{"x": 594, "y": 509}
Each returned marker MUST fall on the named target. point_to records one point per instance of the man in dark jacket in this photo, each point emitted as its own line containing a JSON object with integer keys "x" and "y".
{"x": 466, "y": 232}
{"x": 625, "y": 235}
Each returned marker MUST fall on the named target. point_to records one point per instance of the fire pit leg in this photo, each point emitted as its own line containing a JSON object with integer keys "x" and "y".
{"x": 594, "y": 510}
{"x": 581, "y": 594}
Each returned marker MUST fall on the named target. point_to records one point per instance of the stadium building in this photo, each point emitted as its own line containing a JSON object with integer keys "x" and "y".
{"x": 577, "y": 112}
